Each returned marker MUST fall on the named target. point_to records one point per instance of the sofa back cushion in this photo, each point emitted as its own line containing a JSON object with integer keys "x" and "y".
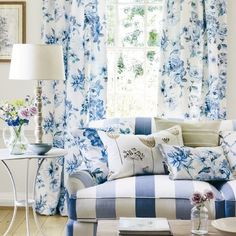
{"x": 195, "y": 133}
{"x": 133, "y": 125}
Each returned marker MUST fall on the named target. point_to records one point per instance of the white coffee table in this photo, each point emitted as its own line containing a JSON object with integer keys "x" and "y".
{"x": 5, "y": 156}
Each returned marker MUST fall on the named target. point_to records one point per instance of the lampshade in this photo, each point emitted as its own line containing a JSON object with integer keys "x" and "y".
{"x": 37, "y": 62}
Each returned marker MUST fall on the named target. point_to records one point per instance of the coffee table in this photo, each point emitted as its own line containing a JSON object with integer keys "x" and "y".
{"x": 178, "y": 227}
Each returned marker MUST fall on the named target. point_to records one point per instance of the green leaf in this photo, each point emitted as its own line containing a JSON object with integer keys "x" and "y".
{"x": 120, "y": 64}
{"x": 153, "y": 38}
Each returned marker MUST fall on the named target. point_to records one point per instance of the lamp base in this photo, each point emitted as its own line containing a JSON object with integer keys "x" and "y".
{"x": 38, "y": 118}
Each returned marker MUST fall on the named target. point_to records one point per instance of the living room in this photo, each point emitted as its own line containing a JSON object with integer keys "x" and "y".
{"x": 156, "y": 70}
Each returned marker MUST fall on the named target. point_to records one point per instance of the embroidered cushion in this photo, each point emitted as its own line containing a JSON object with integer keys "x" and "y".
{"x": 195, "y": 133}
{"x": 202, "y": 163}
{"x": 228, "y": 143}
{"x": 130, "y": 155}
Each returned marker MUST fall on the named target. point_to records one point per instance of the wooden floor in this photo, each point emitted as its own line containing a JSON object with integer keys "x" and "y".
{"x": 52, "y": 225}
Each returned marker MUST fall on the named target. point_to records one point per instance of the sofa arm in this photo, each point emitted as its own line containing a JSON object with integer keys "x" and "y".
{"x": 77, "y": 181}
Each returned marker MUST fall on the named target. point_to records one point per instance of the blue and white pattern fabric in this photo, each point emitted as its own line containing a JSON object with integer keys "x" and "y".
{"x": 228, "y": 191}
{"x": 93, "y": 152}
{"x": 202, "y": 163}
{"x": 144, "y": 196}
{"x": 193, "y": 63}
{"x": 79, "y": 26}
{"x": 228, "y": 143}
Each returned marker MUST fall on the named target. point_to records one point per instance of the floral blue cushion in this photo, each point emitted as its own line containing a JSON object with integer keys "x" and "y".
{"x": 92, "y": 150}
{"x": 202, "y": 163}
{"x": 228, "y": 143}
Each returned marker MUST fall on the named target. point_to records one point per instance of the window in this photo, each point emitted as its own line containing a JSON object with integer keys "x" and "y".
{"x": 133, "y": 56}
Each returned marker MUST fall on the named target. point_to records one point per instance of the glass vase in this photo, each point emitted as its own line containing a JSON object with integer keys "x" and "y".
{"x": 15, "y": 140}
{"x": 199, "y": 218}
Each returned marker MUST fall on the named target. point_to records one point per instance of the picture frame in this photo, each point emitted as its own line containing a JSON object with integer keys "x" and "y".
{"x": 12, "y": 27}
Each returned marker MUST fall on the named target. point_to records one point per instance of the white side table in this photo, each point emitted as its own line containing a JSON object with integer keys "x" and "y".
{"x": 5, "y": 156}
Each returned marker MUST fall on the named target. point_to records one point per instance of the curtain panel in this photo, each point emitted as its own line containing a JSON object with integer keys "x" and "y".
{"x": 79, "y": 26}
{"x": 193, "y": 64}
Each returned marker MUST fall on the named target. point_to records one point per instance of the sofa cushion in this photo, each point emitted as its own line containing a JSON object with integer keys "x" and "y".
{"x": 202, "y": 163}
{"x": 93, "y": 152}
{"x": 195, "y": 133}
{"x": 130, "y": 155}
{"x": 143, "y": 196}
{"x": 228, "y": 143}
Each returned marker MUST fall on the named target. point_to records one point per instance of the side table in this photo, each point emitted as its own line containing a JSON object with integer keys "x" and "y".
{"x": 6, "y": 156}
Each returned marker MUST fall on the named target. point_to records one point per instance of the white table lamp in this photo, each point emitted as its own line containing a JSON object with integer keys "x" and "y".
{"x": 37, "y": 62}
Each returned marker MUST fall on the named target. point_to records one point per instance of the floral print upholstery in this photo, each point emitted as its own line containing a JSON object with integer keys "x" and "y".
{"x": 202, "y": 163}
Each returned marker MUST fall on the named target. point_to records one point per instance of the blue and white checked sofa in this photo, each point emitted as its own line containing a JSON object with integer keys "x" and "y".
{"x": 140, "y": 196}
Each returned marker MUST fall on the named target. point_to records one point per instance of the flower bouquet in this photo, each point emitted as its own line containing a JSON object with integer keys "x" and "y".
{"x": 199, "y": 213}
{"x": 16, "y": 114}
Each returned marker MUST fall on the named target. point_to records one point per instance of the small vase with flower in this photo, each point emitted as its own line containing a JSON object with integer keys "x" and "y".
{"x": 199, "y": 213}
{"x": 16, "y": 114}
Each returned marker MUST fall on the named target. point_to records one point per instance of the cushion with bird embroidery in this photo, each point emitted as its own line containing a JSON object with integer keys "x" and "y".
{"x": 130, "y": 155}
{"x": 201, "y": 163}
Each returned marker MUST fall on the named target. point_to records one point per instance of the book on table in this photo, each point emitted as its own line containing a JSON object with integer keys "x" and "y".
{"x": 143, "y": 226}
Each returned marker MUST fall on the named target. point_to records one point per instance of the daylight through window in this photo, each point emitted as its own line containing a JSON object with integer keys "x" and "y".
{"x": 133, "y": 56}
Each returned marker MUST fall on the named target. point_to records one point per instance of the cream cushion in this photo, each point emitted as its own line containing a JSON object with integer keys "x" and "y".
{"x": 130, "y": 155}
{"x": 195, "y": 133}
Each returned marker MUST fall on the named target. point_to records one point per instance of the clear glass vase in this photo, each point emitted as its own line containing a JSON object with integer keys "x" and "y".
{"x": 199, "y": 218}
{"x": 15, "y": 140}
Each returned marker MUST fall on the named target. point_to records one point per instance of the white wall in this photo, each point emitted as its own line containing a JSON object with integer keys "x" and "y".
{"x": 18, "y": 89}
{"x": 231, "y": 92}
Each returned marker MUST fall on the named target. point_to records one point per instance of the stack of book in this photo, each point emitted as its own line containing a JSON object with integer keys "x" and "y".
{"x": 143, "y": 226}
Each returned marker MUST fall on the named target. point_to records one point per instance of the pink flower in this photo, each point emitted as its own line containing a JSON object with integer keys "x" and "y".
{"x": 33, "y": 111}
{"x": 24, "y": 114}
{"x": 209, "y": 195}
{"x": 196, "y": 198}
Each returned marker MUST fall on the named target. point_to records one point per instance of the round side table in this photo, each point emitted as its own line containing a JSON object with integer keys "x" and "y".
{"x": 6, "y": 156}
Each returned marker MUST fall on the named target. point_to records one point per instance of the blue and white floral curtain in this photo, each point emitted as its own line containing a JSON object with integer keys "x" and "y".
{"x": 78, "y": 25}
{"x": 193, "y": 62}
